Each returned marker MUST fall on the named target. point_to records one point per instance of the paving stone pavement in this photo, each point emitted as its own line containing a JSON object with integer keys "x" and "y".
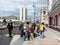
{"x": 50, "y": 39}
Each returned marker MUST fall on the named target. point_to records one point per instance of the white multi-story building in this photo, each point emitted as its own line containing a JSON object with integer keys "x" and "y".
{"x": 54, "y": 13}
{"x": 44, "y": 16}
{"x": 23, "y": 14}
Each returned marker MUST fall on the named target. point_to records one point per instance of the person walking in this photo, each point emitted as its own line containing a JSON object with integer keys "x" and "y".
{"x": 27, "y": 33}
{"x": 34, "y": 25}
{"x": 42, "y": 28}
{"x": 21, "y": 29}
{"x": 31, "y": 30}
{"x": 10, "y": 28}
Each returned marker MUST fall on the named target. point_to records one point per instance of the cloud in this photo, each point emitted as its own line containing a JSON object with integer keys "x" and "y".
{"x": 7, "y": 5}
{"x": 25, "y": 0}
{"x": 12, "y": 6}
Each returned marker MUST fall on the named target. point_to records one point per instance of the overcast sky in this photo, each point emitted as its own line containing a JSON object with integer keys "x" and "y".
{"x": 11, "y": 7}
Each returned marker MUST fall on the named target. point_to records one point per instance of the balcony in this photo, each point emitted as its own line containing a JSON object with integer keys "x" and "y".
{"x": 56, "y": 5}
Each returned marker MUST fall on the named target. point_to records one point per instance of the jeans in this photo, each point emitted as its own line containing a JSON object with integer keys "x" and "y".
{"x": 27, "y": 36}
{"x": 42, "y": 34}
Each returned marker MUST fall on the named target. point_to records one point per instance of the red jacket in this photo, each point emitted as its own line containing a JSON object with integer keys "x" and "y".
{"x": 31, "y": 30}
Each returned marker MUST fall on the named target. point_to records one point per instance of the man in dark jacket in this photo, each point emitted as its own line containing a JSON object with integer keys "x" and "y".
{"x": 34, "y": 25}
{"x": 10, "y": 28}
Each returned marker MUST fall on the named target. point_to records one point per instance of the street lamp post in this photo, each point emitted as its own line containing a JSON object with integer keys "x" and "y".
{"x": 34, "y": 13}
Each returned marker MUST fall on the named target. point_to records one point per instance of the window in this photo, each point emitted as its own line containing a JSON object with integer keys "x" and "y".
{"x": 44, "y": 12}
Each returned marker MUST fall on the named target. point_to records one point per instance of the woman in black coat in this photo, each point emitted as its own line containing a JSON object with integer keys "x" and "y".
{"x": 10, "y": 28}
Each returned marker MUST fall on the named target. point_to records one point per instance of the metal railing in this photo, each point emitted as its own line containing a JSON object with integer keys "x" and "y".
{"x": 54, "y": 6}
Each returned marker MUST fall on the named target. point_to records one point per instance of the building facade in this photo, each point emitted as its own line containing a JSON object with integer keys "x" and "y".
{"x": 54, "y": 13}
{"x": 44, "y": 16}
{"x": 23, "y": 14}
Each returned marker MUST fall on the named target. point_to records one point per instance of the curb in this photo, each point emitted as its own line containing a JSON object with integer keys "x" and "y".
{"x": 58, "y": 39}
